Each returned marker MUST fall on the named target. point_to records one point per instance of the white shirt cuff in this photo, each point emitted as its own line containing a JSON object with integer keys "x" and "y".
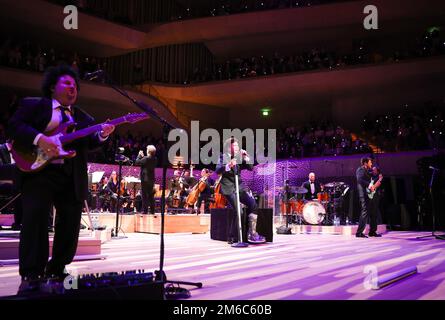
{"x": 36, "y": 139}
{"x": 101, "y": 139}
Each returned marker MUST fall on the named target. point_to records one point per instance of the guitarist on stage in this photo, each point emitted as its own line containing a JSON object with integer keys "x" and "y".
{"x": 366, "y": 190}
{"x": 63, "y": 183}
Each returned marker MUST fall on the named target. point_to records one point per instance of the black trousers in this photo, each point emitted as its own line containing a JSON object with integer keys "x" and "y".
{"x": 247, "y": 200}
{"x": 368, "y": 211}
{"x": 40, "y": 191}
{"x": 148, "y": 197}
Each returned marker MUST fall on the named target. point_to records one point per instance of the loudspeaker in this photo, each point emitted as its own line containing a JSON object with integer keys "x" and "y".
{"x": 223, "y": 225}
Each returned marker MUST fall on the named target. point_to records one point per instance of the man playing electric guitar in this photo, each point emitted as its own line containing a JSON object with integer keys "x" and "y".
{"x": 62, "y": 183}
{"x": 365, "y": 188}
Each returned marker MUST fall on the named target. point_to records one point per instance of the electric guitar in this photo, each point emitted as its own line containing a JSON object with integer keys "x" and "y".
{"x": 376, "y": 184}
{"x": 35, "y": 159}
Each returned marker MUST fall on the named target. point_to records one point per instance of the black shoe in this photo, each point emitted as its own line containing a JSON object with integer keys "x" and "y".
{"x": 29, "y": 285}
{"x": 360, "y": 235}
{"x": 374, "y": 234}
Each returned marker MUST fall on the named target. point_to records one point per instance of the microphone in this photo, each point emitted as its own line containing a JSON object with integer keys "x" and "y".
{"x": 93, "y": 75}
{"x": 433, "y": 168}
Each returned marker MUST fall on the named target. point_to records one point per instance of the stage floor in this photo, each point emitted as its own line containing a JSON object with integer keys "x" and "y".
{"x": 303, "y": 266}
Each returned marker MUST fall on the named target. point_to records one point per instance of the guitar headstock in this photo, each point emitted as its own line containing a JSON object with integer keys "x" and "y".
{"x": 135, "y": 117}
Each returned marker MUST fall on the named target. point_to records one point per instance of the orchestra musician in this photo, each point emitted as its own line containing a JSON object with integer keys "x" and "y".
{"x": 232, "y": 161}
{"x": 206, "y": 194}
{"x": 112, "y": 190}
{"x": 177, "y": 187}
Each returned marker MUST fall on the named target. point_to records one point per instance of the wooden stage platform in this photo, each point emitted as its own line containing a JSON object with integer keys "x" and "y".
{"x": 293, "y": 267}
{"x": 89, "y": 244}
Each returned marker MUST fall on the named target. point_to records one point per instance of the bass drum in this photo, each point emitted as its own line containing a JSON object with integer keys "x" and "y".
{"x": 313, "y": 212}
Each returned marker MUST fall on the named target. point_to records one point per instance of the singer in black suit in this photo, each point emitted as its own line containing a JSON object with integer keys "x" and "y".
{"x": 312, "y": 186}
{"x": 232, "y": 161}
{"x": 148, "y": 165}
{"x": 364, "y": 178}
{"x": 63, "y": 183}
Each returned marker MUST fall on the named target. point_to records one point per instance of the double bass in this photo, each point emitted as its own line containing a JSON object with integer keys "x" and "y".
{"x": 219, "y": 201}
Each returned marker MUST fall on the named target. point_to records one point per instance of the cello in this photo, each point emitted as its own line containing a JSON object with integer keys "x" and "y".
{"x": 193, "y": 196}
{"x": 219, "y": 201}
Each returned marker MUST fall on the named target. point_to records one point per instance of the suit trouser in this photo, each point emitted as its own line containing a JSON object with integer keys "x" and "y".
{"x": 40, "y": 192}
{"x": 148, "y": 198}
{"x": 368, "y": 210}
{"x": 245, "y": 199}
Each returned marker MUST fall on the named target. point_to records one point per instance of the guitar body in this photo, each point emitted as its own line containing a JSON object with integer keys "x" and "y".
{"x": 35, "y": 159}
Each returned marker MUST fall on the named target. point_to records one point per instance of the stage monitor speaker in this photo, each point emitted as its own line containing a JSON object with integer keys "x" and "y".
{"x": 223, "y": 224}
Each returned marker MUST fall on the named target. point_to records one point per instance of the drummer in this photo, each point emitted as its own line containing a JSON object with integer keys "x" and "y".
{"x": 312, "y": 186}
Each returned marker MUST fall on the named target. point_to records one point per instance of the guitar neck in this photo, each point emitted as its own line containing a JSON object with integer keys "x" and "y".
{"x": 70, "y": 137}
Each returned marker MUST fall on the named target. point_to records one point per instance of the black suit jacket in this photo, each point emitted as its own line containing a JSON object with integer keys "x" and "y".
{"x": 308, "y": 195}
{"x": 228, "y": 177}
{"x": 32, "y": 118}
{"x": 363, "y": 181}
{"x": 148, "y": 165}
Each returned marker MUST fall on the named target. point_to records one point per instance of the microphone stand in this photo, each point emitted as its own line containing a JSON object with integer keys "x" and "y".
{"x": 433, "y": 209}
{"x": 160, "y": 274}
{"x": 116, "y": 233}
{"x": 240, "y": 243}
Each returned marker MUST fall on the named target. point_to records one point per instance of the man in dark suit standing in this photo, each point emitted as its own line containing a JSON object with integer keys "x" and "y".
{"x": 148, "y": 165}
{"x": 63, "y": 183}
{"x": 363, "y": 185}
{"x": 231, "y": 162}
{"x": 313, "y": 187}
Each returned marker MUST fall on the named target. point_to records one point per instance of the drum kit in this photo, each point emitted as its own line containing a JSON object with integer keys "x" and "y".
{"x": 315, "y": 212}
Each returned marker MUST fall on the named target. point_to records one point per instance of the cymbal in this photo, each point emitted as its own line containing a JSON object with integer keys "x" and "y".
{"x": 334, "y": 184}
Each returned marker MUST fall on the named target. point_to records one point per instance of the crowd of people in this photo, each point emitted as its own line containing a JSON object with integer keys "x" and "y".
{"x": 312, "y": 140}
{"x": 409, "y": 128}
{"x": 27, "y": 55}
{"x": 429, "y": 44}
{"x": 23, "y": 54}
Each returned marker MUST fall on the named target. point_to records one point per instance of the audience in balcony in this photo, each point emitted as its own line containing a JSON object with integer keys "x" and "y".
{"x": 24, "y": 54}
{"x": 317, "y": 139}
{"x": 410, "y": 128}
